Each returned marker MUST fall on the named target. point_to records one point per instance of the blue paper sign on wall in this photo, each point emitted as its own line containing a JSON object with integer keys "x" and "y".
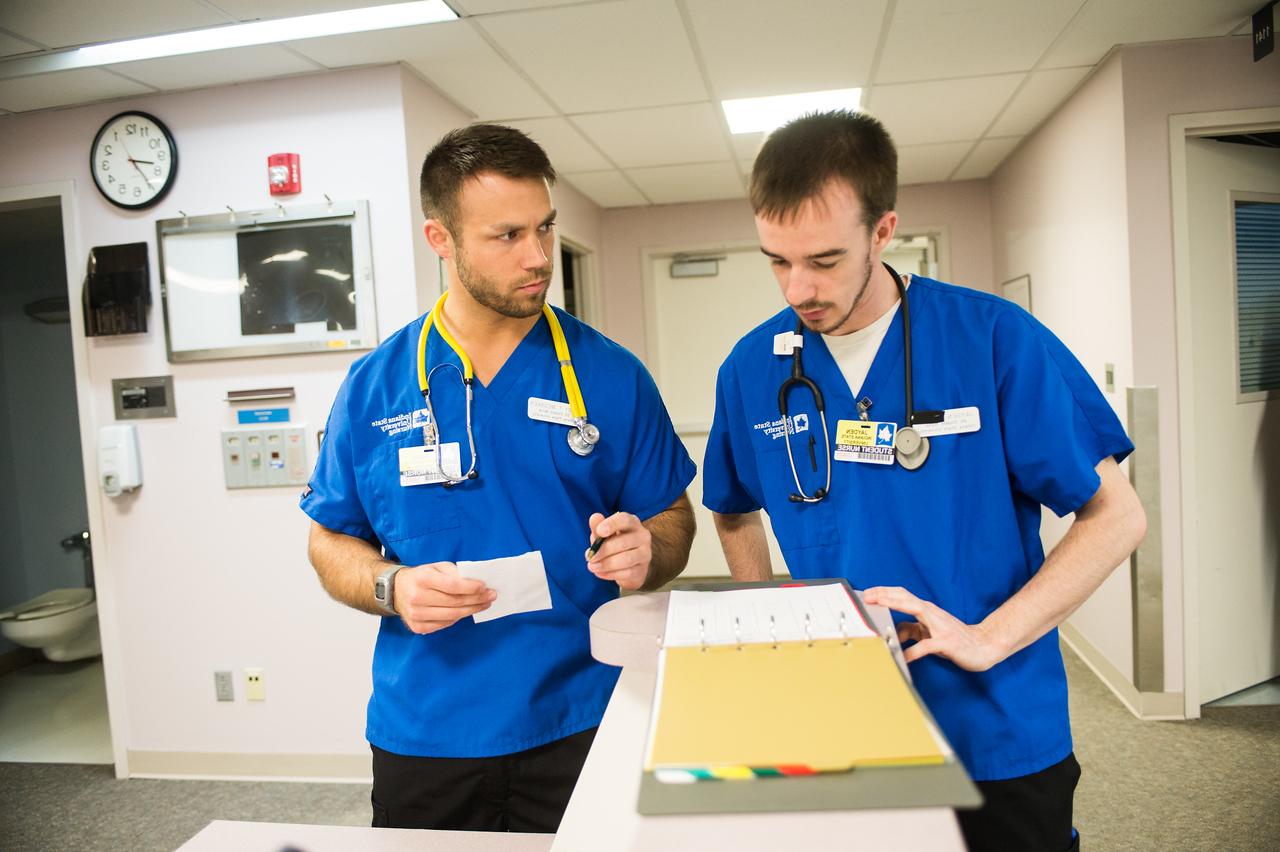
{"x": 263, "y": 415}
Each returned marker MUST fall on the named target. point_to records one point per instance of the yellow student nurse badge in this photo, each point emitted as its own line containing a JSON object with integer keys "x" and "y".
{"x": 865, "y": 441}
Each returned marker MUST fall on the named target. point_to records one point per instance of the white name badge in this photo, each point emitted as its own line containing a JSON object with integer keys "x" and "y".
{"x": 418, "y": 464}
{"x": 550, "y": 411}
{"x": 955, "y": 421}
{"x": 865, "y": 441}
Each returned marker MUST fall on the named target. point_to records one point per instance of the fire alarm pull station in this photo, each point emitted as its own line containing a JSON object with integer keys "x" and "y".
{"x": 284, "y": 173}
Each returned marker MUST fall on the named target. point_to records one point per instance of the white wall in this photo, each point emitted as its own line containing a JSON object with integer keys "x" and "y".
{"x": 962, "y": 209}
{"x": 1060, "y": 215}
{"x": 200, "y": 578}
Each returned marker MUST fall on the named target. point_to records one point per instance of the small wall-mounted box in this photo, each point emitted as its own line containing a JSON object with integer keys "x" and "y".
{"x": 256, "y": 457}
{"x": 150, "y": 396}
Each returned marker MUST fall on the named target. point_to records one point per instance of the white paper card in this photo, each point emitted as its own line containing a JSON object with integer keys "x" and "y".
{"x": 550, "y": 411}
{"x": 520, "y": 581}
{"x": 955, "y": 421}
{"x": 418, "y": 464}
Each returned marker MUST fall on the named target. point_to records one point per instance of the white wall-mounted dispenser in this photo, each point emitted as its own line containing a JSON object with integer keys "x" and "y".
{"x": 119, "y": 463}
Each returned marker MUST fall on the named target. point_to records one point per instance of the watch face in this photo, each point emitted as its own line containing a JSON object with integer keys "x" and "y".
{"x": 134, "y": 160}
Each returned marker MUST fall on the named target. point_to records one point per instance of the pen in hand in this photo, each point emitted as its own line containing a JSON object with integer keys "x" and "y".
{"x": 596, "y": 544}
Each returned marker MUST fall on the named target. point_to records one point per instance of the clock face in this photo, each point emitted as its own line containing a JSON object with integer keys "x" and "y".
{"x": 134, "y": 160}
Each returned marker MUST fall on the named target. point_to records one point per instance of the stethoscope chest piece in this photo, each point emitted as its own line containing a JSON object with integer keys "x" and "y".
{"x": 910, "y": 447}
{"x": 583, "y": 438}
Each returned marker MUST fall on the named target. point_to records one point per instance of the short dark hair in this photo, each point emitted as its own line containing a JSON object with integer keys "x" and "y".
{"x": 800, "y": 158}
{"x": 468, "y": 151}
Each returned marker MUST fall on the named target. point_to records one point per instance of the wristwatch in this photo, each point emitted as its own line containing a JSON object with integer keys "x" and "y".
{"x": 384, "y": 589}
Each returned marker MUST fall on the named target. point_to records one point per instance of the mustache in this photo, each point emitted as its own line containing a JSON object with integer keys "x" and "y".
{"x": 812, "y": 305}
{"x": 536, "y": 275}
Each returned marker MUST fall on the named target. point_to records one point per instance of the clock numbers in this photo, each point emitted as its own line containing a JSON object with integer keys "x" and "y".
{"x": 134, "y": 161}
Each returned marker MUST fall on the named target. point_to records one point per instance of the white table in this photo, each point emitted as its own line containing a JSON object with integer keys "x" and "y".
{"x": 227, "y": 836}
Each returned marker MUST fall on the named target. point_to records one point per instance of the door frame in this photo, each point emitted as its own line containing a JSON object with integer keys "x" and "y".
{"x": 1181, "y": 128}
{"x": 65, "y": 192}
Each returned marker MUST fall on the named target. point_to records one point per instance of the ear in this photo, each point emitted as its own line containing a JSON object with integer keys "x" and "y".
{"x": 884, "y": 231}
{"x": 439, "y": 238}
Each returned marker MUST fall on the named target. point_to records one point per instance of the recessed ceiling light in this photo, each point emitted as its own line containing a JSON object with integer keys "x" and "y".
{"x": 760, "y": 115}
{"x": 235, "y": 35}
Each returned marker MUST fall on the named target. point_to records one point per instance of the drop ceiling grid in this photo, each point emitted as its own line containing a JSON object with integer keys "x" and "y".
{"x": 603, "y": 57}
{"x": 233, "y": 66}
{"x": 753, "y": 48}
{"x": 645, "y": 137}
{"x": 68, "y": 23}
{"x": 65, "y": 88}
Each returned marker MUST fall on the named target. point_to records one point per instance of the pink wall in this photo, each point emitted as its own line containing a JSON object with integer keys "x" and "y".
{"x": 962, "y": 209}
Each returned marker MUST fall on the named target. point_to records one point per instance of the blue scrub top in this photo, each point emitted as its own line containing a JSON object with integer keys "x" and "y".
{"x": 498, "y": 687}
{"x": 963, "y": 531}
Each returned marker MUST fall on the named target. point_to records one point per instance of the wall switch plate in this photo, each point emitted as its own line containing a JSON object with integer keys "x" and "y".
{"x": 1111, "y": 378}
{"x": 254, "y": 687}
{"x": 223, "y": 686}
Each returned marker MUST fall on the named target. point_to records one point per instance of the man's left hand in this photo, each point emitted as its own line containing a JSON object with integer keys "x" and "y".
{"x": 936, "y": 631}
{"x": 626, "y": 553}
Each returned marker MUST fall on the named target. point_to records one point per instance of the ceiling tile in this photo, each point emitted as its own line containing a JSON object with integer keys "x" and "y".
{"x": 929, "y": 163}
{"x": 747, "y": 145}
{"x": 1100, "y": 26}
{"x": 985, "y": 157}
{"x": 653, "y": 137}
{"x": 263, "y": 10}
{"x": 697, "y": 182}
{"x": 756, "y": 47}
{"x": 568, "y": 149}
{"x": 941, "y": 111}
{"x": 10, "y": 46}
{"x": 64, "y": 23}
{"x": 603, "y": 56}
{"x": 63, "y": 88}
{"x": 489, "y": 7}
{"x": 608, "y": 189}
{"x": 215, "y": 69}
{"x": 1042, "y": 94}
{"x": 938, "y": 39}
{"x": 452, "y": 55}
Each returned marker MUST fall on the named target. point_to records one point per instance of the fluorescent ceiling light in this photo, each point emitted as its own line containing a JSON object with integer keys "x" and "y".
{"x": 760, "y": 115}
{"x": 236, "y": 35}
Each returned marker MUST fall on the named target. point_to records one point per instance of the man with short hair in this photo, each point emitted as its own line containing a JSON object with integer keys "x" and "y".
{"x": 944, "y": 424}
{"x": 492, "y": 427}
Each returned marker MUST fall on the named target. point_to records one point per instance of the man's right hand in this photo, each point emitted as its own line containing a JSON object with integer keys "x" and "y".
{"x": 432, "y": 597}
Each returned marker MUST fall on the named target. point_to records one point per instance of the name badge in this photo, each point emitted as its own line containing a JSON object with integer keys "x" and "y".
{"x": 865, "y": 441}
{"x": 955, "y": 421}
{"x": 550, "y": 411}
{"x": 787, "y": 342}
{"x": 418, "y": 464}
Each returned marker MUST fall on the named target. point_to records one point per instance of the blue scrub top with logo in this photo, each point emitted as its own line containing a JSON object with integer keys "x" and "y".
{"x": 963, "y": 531}
{"x": 502, "y": 686}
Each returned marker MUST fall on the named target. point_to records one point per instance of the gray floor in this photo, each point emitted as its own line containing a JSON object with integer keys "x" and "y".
{"x": 1208, "y": 784}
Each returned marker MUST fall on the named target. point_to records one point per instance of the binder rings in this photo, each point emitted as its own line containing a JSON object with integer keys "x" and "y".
{"x": 783, "y": 697}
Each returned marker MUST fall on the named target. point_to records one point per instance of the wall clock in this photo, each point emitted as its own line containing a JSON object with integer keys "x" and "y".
{"x": 134, "y": 160}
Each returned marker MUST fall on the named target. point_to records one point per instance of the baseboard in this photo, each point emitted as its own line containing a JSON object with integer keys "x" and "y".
{"x": 219, "y": 766}
{"x": 1149, "y": 706}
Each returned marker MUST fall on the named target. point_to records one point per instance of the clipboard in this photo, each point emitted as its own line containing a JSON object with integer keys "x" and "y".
{"x": 926, "y": 783}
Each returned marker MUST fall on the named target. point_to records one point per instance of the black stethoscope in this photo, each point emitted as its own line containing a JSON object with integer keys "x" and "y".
{"x": 910, "y": 448}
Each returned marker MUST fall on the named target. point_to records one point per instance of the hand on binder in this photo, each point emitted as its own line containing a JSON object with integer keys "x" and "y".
{"x": 936, "y": 631}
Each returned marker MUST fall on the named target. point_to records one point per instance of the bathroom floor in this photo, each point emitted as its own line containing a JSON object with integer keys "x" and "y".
{"x": 55, "y": 713}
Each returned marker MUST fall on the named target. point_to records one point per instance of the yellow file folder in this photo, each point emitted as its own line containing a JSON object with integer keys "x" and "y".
{"x": 794, "y": 706}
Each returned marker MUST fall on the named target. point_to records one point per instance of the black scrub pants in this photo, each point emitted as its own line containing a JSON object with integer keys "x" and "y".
{"x": 1027, "y": 814}
{"x": 526, "y": 791}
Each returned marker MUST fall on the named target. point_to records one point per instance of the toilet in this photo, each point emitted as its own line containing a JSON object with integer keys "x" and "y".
{"x": 62, "y": 623}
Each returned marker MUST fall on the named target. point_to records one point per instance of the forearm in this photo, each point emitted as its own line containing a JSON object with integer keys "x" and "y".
{"x": 745, "y": 547}
{"x": 671, "y": 535}
{"x": 347, "y": 567}
{"x": 1106, "y": 530}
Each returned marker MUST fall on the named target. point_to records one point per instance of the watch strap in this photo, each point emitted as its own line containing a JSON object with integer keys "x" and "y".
{"x": 386, "y": 583}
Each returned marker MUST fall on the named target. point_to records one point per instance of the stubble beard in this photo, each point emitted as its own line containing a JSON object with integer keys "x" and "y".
{"x": 492, "y": 295}
{"x": 831, "y": 327}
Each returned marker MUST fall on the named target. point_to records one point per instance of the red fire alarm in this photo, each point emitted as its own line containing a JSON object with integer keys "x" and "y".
{"x": 284, "y": 173}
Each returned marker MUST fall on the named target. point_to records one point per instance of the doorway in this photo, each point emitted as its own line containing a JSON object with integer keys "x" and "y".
{"x": 50, "y": 712}
{"x": 1229, "y": 386}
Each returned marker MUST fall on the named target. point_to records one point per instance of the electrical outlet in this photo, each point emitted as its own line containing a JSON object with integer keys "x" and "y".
{"x": 254, "y": 687}
{"x": 223, "y": 686}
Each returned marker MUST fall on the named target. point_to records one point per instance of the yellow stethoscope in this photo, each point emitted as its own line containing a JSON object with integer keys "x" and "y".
{"x": 583, "y": 436}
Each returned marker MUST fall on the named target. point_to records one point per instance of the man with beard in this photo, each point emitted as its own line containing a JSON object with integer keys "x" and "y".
{"x": 465, "y": 436}
{"x": 945, "y": 423}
